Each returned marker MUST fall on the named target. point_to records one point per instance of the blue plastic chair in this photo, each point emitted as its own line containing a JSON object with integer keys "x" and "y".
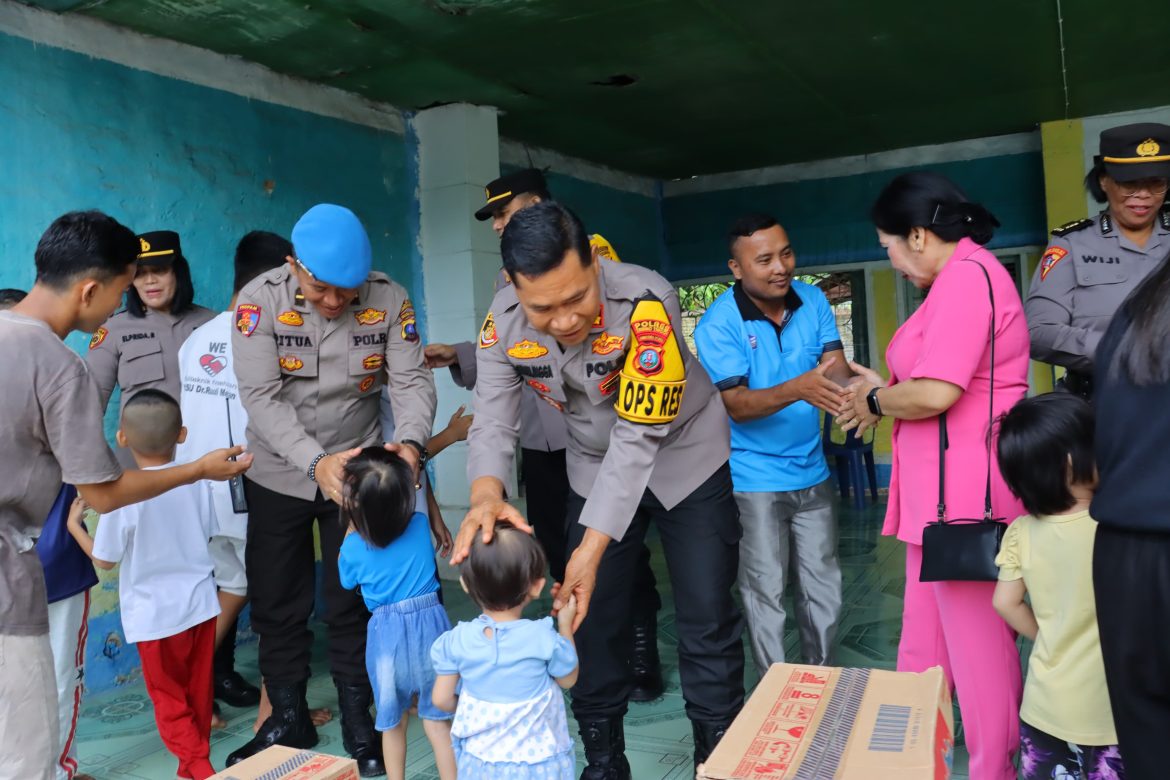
{"x": 854, "y": 461}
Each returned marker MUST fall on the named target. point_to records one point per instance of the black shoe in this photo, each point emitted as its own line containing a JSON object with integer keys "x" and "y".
{"x": 234, "y": 691}
{"x": 288, "y": 725}
{"x": 357, "y": 728}
{"x": 707, "y": 736}
{"x": 645, "y": 665}
{"x": 605, "y": 750}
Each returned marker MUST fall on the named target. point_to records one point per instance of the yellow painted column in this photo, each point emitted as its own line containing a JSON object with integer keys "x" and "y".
{"x": 1062, "y": 148}
{"x": 885, "y": 320}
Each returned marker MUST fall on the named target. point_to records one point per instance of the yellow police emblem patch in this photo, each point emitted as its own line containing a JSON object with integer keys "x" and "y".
{"x": 1148, "y": 148}
{"x": 373, "y": 362}
{"x": 487, "y": 332}
{"x": 366, "y": 384}
{"x": 653, "y": 377}
{"x": 370, "y": 316}
{"x": 291, "y": 317}
{"x": 99, "y": 336}
{"x": 406, "y": 320}
{"x": 144, "y": 245}
{"x": 291, "y": 363}
{"x": 527, "y": 350}
{"x": 606, "y": 344}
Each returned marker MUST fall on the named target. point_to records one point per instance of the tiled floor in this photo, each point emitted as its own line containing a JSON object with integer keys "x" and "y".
{"x": 117, "y": 736}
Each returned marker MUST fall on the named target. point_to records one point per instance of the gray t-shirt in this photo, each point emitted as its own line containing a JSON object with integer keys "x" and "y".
{"x": 50, "y": 430}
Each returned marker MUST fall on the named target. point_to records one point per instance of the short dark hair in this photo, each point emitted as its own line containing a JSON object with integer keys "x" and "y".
{"x": 930, "y": 200}
{"x": 10, "y": 296}
{"x": 83, "y": 243}
{"x": 184, "y": 298}
{"x": 1038, "y": 437}
{"x": 257, "y": 252}
{"x": 537, "y": 239}
{"x": 379, "y": 499}
{"x": 746, "y": 225}
{"x": 1093, "y": 181}
{"x": 499, "y": 574}
{"x": 151, "y": 421}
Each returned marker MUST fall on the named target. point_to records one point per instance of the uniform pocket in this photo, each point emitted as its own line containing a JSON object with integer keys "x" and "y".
{"x": 142, "y": 363}
{"x": 298, "y": 363}
{"x": 366, "y": 361}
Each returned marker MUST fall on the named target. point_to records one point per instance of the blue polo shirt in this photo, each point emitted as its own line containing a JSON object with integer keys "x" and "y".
{"x": 738, "y": 345}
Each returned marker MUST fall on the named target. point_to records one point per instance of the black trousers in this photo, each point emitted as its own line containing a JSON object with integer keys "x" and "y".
{"x": 282, "y": 587}
{"x": 224, "y": 660}
{"x": 1131, "y": 577}
{"x": 546, "y": 484}
{"x": 700, "y": 539}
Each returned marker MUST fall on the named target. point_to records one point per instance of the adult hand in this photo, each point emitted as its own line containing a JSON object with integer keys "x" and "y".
{"x": 409, "y": 454}
{"x": 459, "y": 424}
{"x": 818, "y": 390}
{"x": 581, "y": 576}
{"x": 439, "y": 355}
{"x": 867, "y": 375}
{"x": 856, "y": 414}
{"x": 330, "y": 474}
{"x": 482, "y": 518}
{"x": 441, "y": 534}
{"x": 222, "y": 465}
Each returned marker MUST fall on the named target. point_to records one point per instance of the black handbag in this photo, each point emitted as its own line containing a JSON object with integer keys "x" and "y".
{"x": 964, "y": 548}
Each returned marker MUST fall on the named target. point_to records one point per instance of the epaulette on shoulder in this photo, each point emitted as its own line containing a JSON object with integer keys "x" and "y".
{"x": 1072, "y": 227}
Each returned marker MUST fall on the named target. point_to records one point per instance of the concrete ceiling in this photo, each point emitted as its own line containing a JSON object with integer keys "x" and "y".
{"x": 675, "y": 88}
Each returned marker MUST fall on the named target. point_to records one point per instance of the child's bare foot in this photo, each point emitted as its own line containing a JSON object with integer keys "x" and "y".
{"x": 216, "y": 723}
{"x": 320, "y": 716}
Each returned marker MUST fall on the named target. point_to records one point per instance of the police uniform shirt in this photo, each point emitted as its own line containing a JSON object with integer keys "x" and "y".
{"x": 740, "y": 346}
{"x": 611, "y": 459}
{"x": 51, "y": 430}
{"x": 1086, "y": 273}
{"x": 311, "y": 385}
{"x": 141, "y": 353}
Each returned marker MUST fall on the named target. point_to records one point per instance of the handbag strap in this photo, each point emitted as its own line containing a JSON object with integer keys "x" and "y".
{"x": 943, "y": 442}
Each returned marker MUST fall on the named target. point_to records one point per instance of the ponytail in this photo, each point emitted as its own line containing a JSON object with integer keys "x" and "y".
{"x": 930, "y": 200}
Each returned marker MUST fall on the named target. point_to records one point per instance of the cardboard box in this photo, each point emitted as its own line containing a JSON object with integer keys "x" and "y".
{"x": 824, "y": 723}
{"x": 282, "y": 763}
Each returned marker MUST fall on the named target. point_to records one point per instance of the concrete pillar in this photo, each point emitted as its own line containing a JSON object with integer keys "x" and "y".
{"x": 459, "y": 152}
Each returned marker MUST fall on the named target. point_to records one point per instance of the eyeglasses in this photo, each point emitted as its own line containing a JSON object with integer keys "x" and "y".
{"x": 1156, "y": 187}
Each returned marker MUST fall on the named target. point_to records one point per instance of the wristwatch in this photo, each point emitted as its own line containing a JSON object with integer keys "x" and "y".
{"x": 423, "y": 454}
{"x": 872, "y": 400}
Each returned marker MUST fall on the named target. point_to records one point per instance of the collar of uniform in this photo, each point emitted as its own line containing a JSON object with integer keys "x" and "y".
{"x": 748, "y": 309}
{"x": 1106, "y": 222}
{"x": 1161, "y": 225}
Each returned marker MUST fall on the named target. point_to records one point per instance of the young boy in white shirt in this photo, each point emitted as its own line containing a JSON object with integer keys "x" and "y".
{"x": 166, "y": 585}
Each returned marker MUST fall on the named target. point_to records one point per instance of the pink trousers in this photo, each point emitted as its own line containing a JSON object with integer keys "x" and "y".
{"x": 953, "y": 625}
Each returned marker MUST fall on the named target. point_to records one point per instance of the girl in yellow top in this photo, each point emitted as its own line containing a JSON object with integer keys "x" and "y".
{"x": 1046, "y": 457}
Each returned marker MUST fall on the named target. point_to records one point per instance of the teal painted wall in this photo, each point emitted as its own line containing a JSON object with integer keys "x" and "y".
{"x": 828, "y": 219}
{"x": 157, "y": 153}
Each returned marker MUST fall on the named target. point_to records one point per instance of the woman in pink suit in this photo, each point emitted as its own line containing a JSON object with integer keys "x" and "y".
{"x": 939, "y": 360}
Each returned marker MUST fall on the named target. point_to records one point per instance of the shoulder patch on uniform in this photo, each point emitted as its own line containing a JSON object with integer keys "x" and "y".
{"x": 247, "y": 318}
{"x": 599, "y": 320}
{"x": 1072, "y": 227}
{"x": 291, "y": 317}
{"x": 654, "y": 376}
{"x": 487, "y": 332}
{"x": 99, "y": 336}
{"x": 527, "y": 350}
{"x": 370, "y": 316}
{"x": 406, "y": 320}
{"x": 1052, "y": 256}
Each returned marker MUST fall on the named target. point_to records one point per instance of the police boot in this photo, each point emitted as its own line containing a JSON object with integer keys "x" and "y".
{"x": 605, "y": 750}
{"x": 233, "y": 690}
{"x": 288, "y": 725}
{"x": 357, "y": 728}
{"x": 644, "y": 662}
{"x": 707, "y": 736}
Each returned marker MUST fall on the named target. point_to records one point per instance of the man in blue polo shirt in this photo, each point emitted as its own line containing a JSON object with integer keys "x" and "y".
{"x": 771, "y": 346}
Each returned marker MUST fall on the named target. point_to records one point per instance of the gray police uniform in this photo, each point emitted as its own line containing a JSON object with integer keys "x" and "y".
{"x": 311, "y": 386}
{"x": 1086, "y": 272}
{"x": 670, "y": 467}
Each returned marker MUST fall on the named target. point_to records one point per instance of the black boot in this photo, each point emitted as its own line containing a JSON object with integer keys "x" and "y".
{"x": 645, "y": 665}
{"x": 605, "y": 750}
{"x": 235, "y": 691}
{"x": 707, "y": 736}
{"x": 357, "y": 728}
{"x": 288, "y": 725}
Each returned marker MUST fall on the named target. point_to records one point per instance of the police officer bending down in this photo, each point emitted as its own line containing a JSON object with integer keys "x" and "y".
{"x": 1093, "y": 265}
{"x": 314, "y": 341}
{"x": 648, "y": 441}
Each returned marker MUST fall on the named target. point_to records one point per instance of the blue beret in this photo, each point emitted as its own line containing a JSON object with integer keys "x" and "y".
{"x": 331, "y": 242}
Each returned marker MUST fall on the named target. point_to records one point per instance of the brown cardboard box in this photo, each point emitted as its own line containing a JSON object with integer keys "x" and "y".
{"x": 282, "y": 763}
{"x": 825, "y": 723}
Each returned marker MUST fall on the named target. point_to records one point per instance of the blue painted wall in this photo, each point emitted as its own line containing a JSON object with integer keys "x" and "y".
{"x": 828, "y": 219}
{"x": 157, "y": 153}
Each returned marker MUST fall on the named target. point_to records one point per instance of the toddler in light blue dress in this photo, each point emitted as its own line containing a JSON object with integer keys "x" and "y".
{"x": 510, "y": 719}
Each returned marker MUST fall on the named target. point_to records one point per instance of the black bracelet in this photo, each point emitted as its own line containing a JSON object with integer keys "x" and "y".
{"x": 313, "y": 466}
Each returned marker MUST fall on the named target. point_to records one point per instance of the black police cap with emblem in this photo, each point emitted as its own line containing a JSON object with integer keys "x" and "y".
{"x": 158, "y": 247}
{"x": 503, "y": 189}
{"x": 1133, "y": 152}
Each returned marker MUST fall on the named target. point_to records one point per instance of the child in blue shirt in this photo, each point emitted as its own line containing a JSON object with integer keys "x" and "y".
{"x": 388, "y": 554}
{"x": 509, "y": 718}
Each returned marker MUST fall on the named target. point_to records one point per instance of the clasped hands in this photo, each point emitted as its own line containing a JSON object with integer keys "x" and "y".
{"x": 855, "y": 413}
